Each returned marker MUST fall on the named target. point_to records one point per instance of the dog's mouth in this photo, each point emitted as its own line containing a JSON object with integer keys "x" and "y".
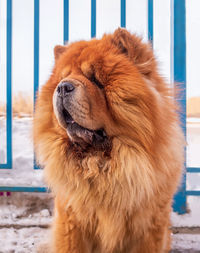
{"x": 81, "y": 136}
{"x": 78, "y": 133}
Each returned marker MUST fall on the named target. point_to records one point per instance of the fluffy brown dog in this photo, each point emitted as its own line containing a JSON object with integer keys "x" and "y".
{"x": 106, "y": 130}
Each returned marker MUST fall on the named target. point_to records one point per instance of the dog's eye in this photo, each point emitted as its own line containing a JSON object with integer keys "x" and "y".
{"x": 96, "y": 82}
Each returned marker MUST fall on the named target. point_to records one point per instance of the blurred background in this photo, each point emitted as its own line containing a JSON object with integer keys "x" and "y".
{"x": 22, "y": 177}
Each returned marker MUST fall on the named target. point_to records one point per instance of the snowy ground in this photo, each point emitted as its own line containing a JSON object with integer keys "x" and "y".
{"x": 22, "y": 173}
{"x": 25, "y": 220}
{"x": 25, "y": 217}
{"x": 26, "y": 240}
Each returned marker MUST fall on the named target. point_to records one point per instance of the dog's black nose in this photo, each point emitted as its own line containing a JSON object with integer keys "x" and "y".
{"x": 64, "y": 88}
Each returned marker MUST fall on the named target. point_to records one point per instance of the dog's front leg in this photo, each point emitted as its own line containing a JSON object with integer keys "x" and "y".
{"x": 67, "y": 235}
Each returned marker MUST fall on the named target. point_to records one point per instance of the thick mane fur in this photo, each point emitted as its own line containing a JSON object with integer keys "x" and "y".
{"x": 113, "y": 197}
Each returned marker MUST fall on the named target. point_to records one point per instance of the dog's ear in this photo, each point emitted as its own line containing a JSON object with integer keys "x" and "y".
{"x": 139, "y": 53}
{"x": 58, "y": 50}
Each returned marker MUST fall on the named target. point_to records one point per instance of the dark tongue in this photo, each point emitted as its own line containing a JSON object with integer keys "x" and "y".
{"x": 85, "y": 134}
{"x": 80, "y": 134}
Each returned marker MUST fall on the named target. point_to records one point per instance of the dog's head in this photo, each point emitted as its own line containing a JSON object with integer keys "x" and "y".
{"x": 105, "y": 89}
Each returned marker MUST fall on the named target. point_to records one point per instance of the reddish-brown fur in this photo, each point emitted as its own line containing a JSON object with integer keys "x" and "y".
{"x": 121, "y": 201}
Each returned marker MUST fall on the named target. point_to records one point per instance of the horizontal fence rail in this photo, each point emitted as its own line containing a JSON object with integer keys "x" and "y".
{"x": 178, "y": 42}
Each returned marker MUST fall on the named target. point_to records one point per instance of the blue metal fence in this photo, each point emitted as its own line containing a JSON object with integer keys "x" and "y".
{"x": 178, "y": 42}
{"x": 36, "y": 53}
{"x": 179, "y": 76}
{"x": 150, "y": 21}
{"x": 93, "y": 18}
{"x": 8, "y": 164}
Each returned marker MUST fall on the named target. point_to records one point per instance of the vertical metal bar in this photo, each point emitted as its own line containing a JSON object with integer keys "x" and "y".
{"x": 36, "y": 53}
{"x": 179, "y": 67}
{"x": 93, "y": 18}
{"x": 8, "y": 164}
{"x": 123, "y": 13}
{"x": 150, "y": 21}
{"x": 172, "y": 42}
{"x": 9, "y": 85}
{"x": 36, "y": 47}
{"x": 66, "y": 20}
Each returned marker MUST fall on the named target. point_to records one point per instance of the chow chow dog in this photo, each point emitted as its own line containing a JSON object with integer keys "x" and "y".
{"x": 107, "y": 133}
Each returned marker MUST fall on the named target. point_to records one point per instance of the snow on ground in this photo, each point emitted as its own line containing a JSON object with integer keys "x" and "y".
{"x": 187, "y": 243}
{"x": 26, "y": 240}
{"x": 193, "y": 143}
{"x": 22, "y": 172}
{"x": 192, "y": 218}
{"x": 26, "y": 209}
{"x": 25, "y": 219}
